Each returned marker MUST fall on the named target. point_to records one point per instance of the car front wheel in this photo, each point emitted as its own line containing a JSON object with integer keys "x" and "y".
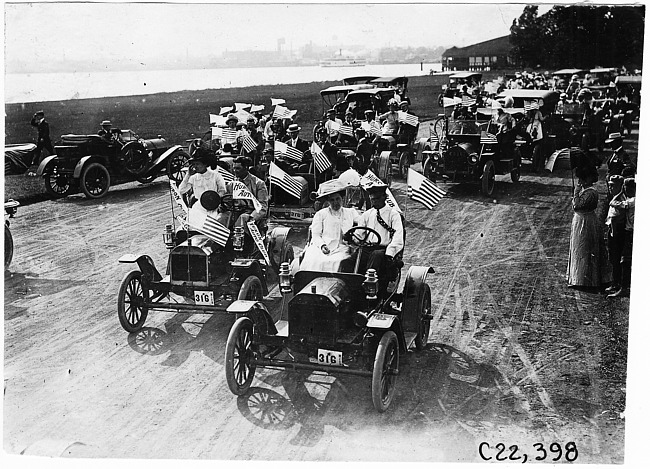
{"x": 95, "y": 180}
{"x": 131, "y": 299}
{"x": 384, "y": 373}
{"x": 488, "y": 178}
{"x": 239, "y": 350}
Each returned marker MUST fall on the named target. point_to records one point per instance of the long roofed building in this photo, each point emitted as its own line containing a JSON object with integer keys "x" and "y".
{"x": 484, "y": 56}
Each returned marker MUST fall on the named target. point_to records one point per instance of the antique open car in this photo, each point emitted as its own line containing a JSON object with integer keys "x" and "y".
{"x": 334, "y": 322}
{"x": 456, "y": 82}
{"x": 201, "y": 276}
{"x": 563, "y": 77}
{"x": 358, "y": 80}
{"x": 92, "y": 162}
{"x": 469, "y": 150}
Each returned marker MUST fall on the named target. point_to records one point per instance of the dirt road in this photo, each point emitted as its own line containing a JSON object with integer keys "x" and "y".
{"x": 514, "y": 356}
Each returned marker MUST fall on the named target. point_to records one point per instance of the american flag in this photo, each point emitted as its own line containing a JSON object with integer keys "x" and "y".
{"x": 210, "y": 227}
{"x": 467, "y": 100}
{"x": 448, "y": 102}
{"x": 228, "y": 135}
{"x": 409, "y": 119}
{"x": 217, "y": 132}
{"x": 281, "y": 150}
{"x": 371, "y": 127}
{"x": 226, "y": 175}
{"x": 528, "y": 105}
{"x": 433, "y": 138}
{"x": 249, "y": 144}
{"x": 422, "y": 190}
{"x": 284, "y": 181}
{"x": 488, "y": 139}
{"x": 276, "y": 101}
{"x": 281, "y": 112}
{"x": 346, "y": 130}
{"x": 320, "y": 158}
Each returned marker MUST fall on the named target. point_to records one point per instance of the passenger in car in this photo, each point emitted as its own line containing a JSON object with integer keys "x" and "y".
{"x": 199, "y": 178}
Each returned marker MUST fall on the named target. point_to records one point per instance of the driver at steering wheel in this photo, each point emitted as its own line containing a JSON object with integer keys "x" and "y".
{"x": 387, "y": 222}
{"x": 246, "y": 208}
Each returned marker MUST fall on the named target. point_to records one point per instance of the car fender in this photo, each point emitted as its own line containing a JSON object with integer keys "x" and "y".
{"x": 46, "y": 165}
{"x": 145, "y": 263}
{"x": 257, "y": 312}
{"x": 241, "y": 272}
{"x": 162, "y": 158}
{"x": 415, "y": 278}
{"x": 86, "y": 160}
{"x": 277, "y": 245}
{"x": 378, "y": 324}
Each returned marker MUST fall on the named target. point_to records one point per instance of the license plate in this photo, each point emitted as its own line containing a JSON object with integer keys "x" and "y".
{"x": 329, "y": 357}
{"x": 297, "y": 215}
{"x": 202, "y": 297}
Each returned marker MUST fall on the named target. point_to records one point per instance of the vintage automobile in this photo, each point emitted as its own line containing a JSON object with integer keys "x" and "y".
{"x": 456, "y": 82}
{"x": 206, "y": 276}
{"x": 603, "y": 76}
{"x": 469, "y": 150}
{"x": 358, "y": 80}
{"x": 11, "y": 206}
{"x": 335, "y": 322}
{"x": 90, "y": 161}
{"x": 18, "y": 157}
{"x": 562, "y": 77}
{"x": 396, "y": 83}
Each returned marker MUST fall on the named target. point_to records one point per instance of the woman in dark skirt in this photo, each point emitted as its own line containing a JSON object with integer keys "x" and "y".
{"x": 585, "y": 263}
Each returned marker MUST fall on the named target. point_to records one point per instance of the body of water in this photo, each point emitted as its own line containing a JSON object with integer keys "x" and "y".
{"x": 36, "y": 87}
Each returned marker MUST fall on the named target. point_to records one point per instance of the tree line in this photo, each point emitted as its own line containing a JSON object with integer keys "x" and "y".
{"x": 579, "y": 37}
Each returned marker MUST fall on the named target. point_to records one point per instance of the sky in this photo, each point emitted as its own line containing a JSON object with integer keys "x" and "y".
{"x": 108, "y": 31}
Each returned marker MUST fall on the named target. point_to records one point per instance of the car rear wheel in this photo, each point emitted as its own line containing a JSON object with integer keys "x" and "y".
{"x": 175, "y": 165}
{"x": 58, "y": 185}
{"x": 9, "y": 247}
{"x": 515, "y": 175}
{"x": 424, "y": 325}
{"x": 251, "y": 289}
{"x": 131, "y": 299}
{"x": 95, "y": 180}
{"x": 384, "y": 373}
{"x": 403, "y": 166}
{"x": 488, "y": 178}
{"x": 239, "y": 350}
{"x": 146, "y": 179}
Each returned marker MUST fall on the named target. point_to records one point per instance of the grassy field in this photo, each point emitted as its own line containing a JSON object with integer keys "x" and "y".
{"x": 176, "y": 116}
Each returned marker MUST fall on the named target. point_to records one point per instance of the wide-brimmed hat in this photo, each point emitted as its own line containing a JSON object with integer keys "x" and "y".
{"x": 328, "y": 188}
{"x": 105, "y": 123}
{"x": 331, "y": 111}
{"x": 210, "y": 200}
{"x": 231, "y": 117}
{"x": 368, "y": 111}
{"x": 294, "y": 128}
{"x": 613, "y": 137}
{"x": 39, "y": 113}
{"x": 199, "y": 157}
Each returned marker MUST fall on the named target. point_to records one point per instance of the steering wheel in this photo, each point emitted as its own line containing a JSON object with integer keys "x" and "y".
{"x": 227, "y": 203}
{"x": 361, "y": 240}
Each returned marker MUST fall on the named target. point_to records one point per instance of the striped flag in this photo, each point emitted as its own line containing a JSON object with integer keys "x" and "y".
{"x": 448, "y": 102}
{"x": 529, "y": 105}
{"x": 320, "y": 158}
{"x": 422, "y": 190}
{"x": 409, "y": 119}
{"x": 210, "y": 227}
{"x": 284, "y": 181}
{"x": 346, "y": 130}
{"x": 371, "y": 128}
{"x": 217, "y": 132}
{"x": 229, "y": 135}
{"x": 487, "y": 138}
{"x": 226, "y": 175}
{"x": 467, "y": 100}
{"x": 281, "y": 112}
{"x": 282, "y": 150}
{"x": 276, "y": 101}
{"x": 249, "y": 144}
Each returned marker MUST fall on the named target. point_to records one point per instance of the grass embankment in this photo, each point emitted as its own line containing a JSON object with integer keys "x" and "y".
{"x": 176, "y": 116}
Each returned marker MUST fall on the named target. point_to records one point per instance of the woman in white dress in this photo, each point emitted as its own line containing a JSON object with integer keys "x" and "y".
{"x": 326, "y": 249}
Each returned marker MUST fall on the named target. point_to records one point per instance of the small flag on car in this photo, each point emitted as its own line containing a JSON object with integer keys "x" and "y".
{"x": 371, "y": 128}
{"x": 281, "y": 112}
{"x": 249, "y": 144}
{"x": 322, "y": 161}
{"x": 529, "y": 105}
{"x": 284, "y": 181}
{"x": 226, "y": 175}
{"x": 210, "y": 227}
{"x": 467, "y": 100}
{"x": 422, "y": 190}
{"x": 217, "y": 132}
{"x": 346, "y": 130}
{"x": 409, "y": 119}
{"x": 487, "y": 138}
{"x": 228, "y": 135}
{"x": 276, "y": 101}
{"x": 282, "y": 150}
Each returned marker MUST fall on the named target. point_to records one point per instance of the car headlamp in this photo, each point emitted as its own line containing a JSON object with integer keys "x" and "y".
{"x": 168, "y": 236}
{"x": 370, "y": 284}
{"x": 285, "y": 278}
{"x": 238, "y": 239}
{"x": 473, "y": 158}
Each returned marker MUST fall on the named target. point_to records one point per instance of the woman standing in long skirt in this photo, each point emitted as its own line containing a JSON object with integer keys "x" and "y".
{"x": 584, "y": 269}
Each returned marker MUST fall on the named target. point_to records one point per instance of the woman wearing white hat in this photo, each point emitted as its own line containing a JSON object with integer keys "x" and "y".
{"x": 326, "y": 249}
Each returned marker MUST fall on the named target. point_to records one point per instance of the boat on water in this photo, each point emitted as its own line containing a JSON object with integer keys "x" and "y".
{"x": 342, "y": 62}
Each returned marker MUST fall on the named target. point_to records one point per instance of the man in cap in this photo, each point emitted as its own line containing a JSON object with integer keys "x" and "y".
{"x": 200, "y": 178}
{"x": 235, "y": 135}
{"x": 293, "y": 140}
{"x": 619, "y": 158}
{"x": 327, "y": 250}
{"x": 332, "y": 125}
{"x": 387, "y": 222}
{"x": 365, "y": 148}
{"x": 43, "y": 142}
{"x": 255, "y": 133}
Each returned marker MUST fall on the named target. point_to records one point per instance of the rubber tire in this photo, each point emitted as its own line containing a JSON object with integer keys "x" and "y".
{"x": 427, "y": 171}
{"x": 83, "y": 181}
{"x": 403, "y": 165}
{"x": 251, "y": 285}
{"x": 241, "y": 330}
{"x": 515, "y": 175}
{"x": 387, "y": 343}
{"x": 424, "y": 327}
{"x": 175, "y": 164}
{"x": 488, "y": 178}
{"x": 9, "y": 247}
{"x": 146, "y": 179}
{"x": 49, "y": 186}
{"x": 131, "y": 283}
{"x": 135, "y": 148}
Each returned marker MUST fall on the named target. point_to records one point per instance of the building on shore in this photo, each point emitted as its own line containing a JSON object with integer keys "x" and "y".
{"x": 484, "y": 56}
